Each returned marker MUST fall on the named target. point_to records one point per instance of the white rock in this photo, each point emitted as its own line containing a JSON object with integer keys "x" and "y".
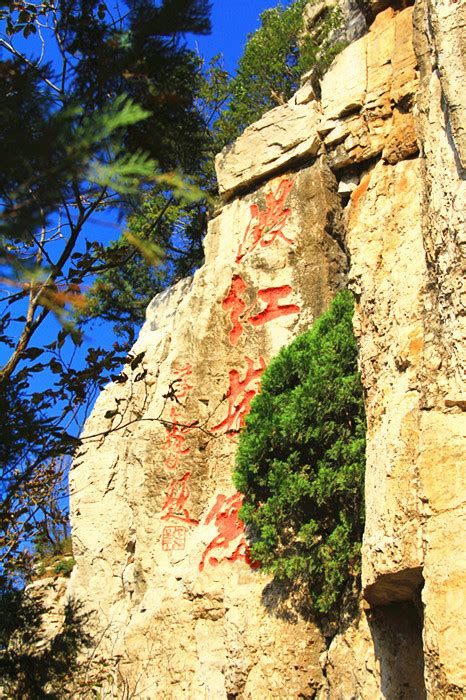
{"x": 282, "y": 137}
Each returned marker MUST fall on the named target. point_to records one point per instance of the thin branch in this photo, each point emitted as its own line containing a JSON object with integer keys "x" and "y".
{"x": 34, "y": 297}
{"x": 28, "y": 330}
{"x": 23, "y": 58}
{"x": 61, "y": 49}
{"x": 164, "y": 422}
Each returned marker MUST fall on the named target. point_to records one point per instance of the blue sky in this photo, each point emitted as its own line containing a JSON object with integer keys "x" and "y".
{"x": 232, "y": 21}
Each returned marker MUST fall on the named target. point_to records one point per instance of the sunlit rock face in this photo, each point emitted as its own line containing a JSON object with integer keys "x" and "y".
{"x": 440, "y": 42}
{"x": 364, "y": 186}
{"x": 159, "y": 547}
{"x": 405, "y": 231}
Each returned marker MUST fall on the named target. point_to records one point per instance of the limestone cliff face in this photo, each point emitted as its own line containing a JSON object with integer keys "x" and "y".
{"x": 405, "y": 233}
{"x": 160, "y": 552}
{"x": 363, "y": 185}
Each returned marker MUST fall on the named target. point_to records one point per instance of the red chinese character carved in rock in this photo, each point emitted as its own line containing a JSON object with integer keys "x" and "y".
{"x": 182, "y": 388}
{"x": 234, "y": 303}
{"x": 230, "y": 532}
{"x": 175, "y": 440}
{"x": 173, "y": 537}
{"x": 239, "y": 311}
{"x": 240, "y": 397}
{"x": 273, "y": 309}
{"x": 266, "y": 226}
{"x": 176, "y": 500}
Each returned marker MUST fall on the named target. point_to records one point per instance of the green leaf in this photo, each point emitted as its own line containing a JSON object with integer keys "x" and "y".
{"x": 32, "y": 353}
{"x": 300, "y": 460}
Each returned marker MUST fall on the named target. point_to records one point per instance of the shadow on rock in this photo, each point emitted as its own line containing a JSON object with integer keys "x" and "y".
{"x": 292, "y": 601}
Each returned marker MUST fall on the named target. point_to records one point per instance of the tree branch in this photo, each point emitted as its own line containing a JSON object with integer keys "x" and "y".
{"x": 23, "y": 58}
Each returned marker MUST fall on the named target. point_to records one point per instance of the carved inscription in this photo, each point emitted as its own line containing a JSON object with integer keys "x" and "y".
{"x": 173, "y": 537}
{"x": 246, "y": 309}
{"x": 181, "y": 384}
{"x": 175, "y": 506}
{"x": 230, "y": 541}
{"x": 267, "y": 226}
{"x": 240, "y": 312}
{"x": 174, "y": 444}
{"x": 239, "y": 396}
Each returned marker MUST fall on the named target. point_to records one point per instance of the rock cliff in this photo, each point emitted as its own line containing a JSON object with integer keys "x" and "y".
{"x": 361, "y": 186}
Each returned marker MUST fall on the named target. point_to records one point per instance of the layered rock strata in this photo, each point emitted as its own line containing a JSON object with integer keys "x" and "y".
{"x": 162, "y": 558}
{"x": 405, "y": 235}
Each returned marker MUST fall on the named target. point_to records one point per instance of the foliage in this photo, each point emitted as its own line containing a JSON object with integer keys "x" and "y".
{"x": 30, "y": 668}
{"x": 274, "y": 59}
{"x": 31, "y": 471}
{"x": 173, "y": 225}
{"x": 97, "y": 105}
{"x": 53, "y": 551}
{"x": 269, "y": 71}
{"x": 64, "y": 567}
{"x": 165, "y": 229}
{"x": 300, "y": 460}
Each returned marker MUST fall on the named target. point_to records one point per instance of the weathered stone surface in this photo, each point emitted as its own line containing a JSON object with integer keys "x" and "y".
{"x": 285, "y": 135}
{"x": 377, "y": 80}
{"x": 401, "y": 141}
{"x": 444, "y": 196}
{"x": 443, "y": 483}
{"x": 154, "y": 512}
{"x": 348, "y": 183}
{"x": 385, "y": 243}
{"x": 350, "y": 70}
{"x": 440, "y": 47}
{"x": 50, "y": 594}
{"x": 377, "y": 656}
{"x": 405, "y": 234}
{"x": 354, "y": 23}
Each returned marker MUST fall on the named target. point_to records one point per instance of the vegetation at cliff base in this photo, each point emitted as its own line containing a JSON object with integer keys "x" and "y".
{"x": 33, "y": 670}
{"x": 301, "y": 457}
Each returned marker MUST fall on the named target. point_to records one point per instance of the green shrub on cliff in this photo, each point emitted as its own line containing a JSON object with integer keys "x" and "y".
{"x": 274, "y": 59}
{"x": 300, "y": 460}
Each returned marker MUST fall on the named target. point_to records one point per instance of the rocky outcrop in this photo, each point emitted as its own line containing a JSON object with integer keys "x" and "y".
{"x": 385, "y": 244}
{"x": 440, "y": 42}
{"x": 370, "y": 175}
{"x": 159, "y": 550}
{"x": 405, "y": 235}
{"x": 285, "y": 136}
{"x": 370, "y": 112}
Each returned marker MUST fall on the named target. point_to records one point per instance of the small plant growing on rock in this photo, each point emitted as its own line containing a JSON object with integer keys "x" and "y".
{"x": 64, "y": 567}
{"x": 300, "y": 461}
{"x": 53, "y": 553}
